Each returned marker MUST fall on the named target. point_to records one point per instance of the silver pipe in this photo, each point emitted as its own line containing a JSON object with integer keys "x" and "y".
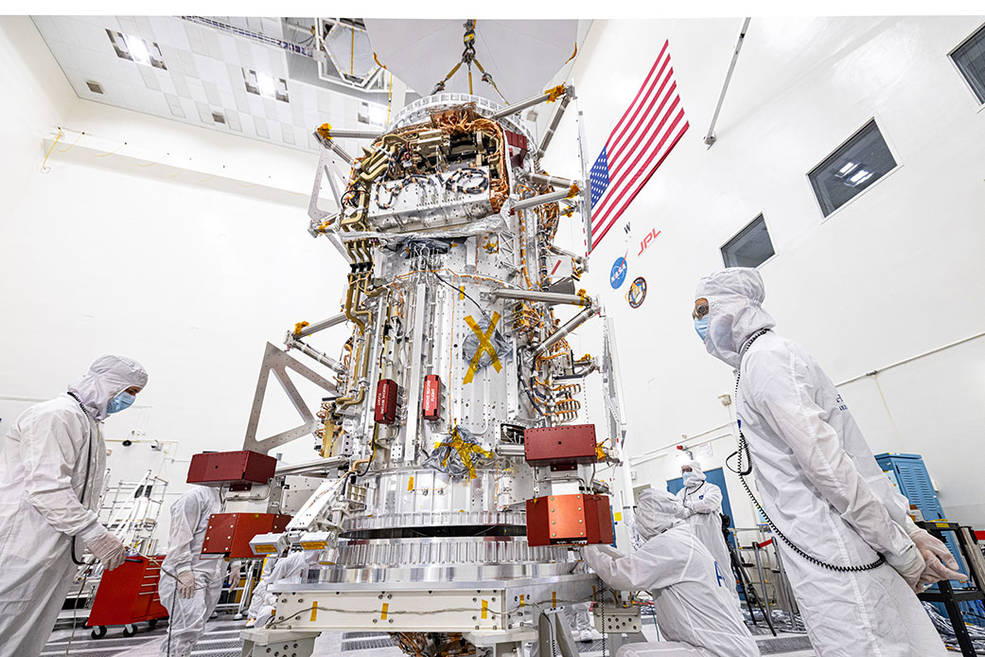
{"x": 509, "y": 449}
{"x": 545, "y": 141}
{"x": 533, "y": 295}
{"x": 316, "y": 466}
{"x": 353, "y": 134}
{"x": 710, "y": 138}
{"x": 558, "y": 250}
{"x": 542, "y": 199}
{"x": 341, "y": 152}
{"x": 324, "y": 359}
{"x": 524, "y": 104}
{"x": 549, "y": 180}
{"x": 334, "y": 320}
{"x": 570, "y": 326}
{"x": 912, "y": 358}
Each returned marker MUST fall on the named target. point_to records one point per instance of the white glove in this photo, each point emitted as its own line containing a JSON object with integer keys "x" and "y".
{"x": 234, "y": 573}
{"x": 108, "y": 549}
{"x": 940, "y": 564}
{"x": 910, "y": 565}
{"x": 186, "y": 584}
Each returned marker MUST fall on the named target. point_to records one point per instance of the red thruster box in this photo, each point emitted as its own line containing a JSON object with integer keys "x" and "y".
{"x": 234, "y": 468}
{"x": 569, "y": 519}
{"x": 431, "y": 401}
{"x": 574, "y": 443}
{"x": 386, "y": 401}
{"x": 230, "y": 534}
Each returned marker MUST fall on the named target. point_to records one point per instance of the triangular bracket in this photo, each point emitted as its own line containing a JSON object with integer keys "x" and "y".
{"x": 277, "y": 362}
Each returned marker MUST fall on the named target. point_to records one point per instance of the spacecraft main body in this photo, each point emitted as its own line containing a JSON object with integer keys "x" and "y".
{"x": 460, "y": 463}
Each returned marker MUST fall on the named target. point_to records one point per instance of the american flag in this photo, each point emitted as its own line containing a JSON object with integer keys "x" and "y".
{"x": 646, "y": 133}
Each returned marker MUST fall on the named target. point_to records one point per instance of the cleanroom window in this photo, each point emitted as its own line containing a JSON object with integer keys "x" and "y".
{"x": 751, "y": 247}
{"x": 970, "y": 60}
{"x": 856, "y": 165}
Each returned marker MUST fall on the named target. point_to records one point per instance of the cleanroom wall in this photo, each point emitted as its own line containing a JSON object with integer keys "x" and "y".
{"x": 187, "y": 250}
{"x": 892, "y": 274}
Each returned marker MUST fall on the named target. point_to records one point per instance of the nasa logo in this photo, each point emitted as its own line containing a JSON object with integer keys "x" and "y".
{"x": 637, "y": 292}
{"x": 618, "y": 273}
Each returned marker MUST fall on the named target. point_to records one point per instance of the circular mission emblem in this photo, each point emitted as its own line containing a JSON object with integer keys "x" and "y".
{"x": 618, "y": 273}
{"x": 637, "y": 292}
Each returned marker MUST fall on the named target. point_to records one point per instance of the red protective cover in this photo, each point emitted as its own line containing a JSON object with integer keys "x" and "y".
{"x": 128, "y": 594}
{"x": 431, "y": 402}
{"x": 234, "y": 468}
{"x": 386, "y": 401}
{"x": 582, "y": 519}
{"x": 230, "y": 534}
{"x": 574, "y": 443}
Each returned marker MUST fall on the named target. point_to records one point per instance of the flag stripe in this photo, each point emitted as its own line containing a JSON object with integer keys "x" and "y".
{"x": 645, "y": 134}
{"x": 645, "y": 86}
{"x": 632, "y": 170}
{"x": 676, "y": 136}
{"x": 654, "y": 94}
{"x": 616, "y": 208}
{"x": 616, "y": 164}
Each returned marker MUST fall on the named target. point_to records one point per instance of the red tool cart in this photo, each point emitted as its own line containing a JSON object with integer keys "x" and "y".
{"x": 126, "y": 596}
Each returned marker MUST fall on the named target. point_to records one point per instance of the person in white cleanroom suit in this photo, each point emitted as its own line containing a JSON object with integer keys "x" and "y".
{"x": 693, "y": 606}
{"x": 285, "y": 569}
{"x": 190, "y": 581}
{"x": 701, "y": 508}
{"x": 821, "y": 486}
{"x": 52, "y": 464}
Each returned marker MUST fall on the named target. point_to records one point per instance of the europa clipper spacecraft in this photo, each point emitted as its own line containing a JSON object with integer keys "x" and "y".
{"x": 456, "y": 466}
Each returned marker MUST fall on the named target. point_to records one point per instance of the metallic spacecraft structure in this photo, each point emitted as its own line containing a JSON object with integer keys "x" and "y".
{"x": 456, "y": 464}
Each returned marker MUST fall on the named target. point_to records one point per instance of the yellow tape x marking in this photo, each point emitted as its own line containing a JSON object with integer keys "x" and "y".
{"x": 465, "y": 451}
{"x": 484, "y": 346}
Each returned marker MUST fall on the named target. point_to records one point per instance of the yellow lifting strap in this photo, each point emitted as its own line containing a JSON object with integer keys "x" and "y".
{"x": 555, "y": 93}
{"x": 377, "y": 60}
{"x": 465, "y": 451}
{"x": 572, "y": 54}
{"x": 485, "y": 346}
{"x": 324, "y": 130}
{"x": 573, "y": 191}
{"x": 299, "y": 327}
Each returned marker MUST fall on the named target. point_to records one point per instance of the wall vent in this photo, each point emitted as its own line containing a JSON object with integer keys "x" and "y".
{"x": 94, "y": 87}
{"x": 219, "y": 117}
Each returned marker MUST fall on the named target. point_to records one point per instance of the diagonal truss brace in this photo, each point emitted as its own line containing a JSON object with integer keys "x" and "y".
{"x": 277, "y": 362}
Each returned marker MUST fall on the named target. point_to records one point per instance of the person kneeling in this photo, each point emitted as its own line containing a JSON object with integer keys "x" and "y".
{"x": 692, "y": 603}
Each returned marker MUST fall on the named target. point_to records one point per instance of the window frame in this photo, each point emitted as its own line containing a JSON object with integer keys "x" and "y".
{"x": 761, "y": 215}
{"x": 874, "y": 118}
{"x": 957, "y": 69}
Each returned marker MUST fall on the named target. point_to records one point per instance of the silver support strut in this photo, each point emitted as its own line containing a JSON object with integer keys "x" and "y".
{"x": 710, "y": 138}
{"x": 293, "y": 343}
{"x": 530, "y": 102}
{"x": 549, "y": 180}
{"x": 542, "y": 199}
{"x": 545, "y": 141}
{"x": 547, "y": 297}
{"x": 567, "y": 328}
{"x": 311, "y": 329}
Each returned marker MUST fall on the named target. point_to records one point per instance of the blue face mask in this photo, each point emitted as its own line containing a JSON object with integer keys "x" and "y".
{"x": 701, "y": 326}
{"x": 120, "y": 402}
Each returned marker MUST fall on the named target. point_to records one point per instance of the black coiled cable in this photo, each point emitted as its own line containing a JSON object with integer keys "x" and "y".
{"x": 743, "y": 447}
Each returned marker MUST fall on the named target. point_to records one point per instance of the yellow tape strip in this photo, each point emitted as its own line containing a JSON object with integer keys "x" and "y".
{"x": 314, "y": 611}
{"x": 485, "y": 608}
{"x": 553, "y": 599}
{"x": 461, "y": 293}
{"x": 484, "y": 346}
{"x": 410, "y": 484}
{"x": 383, "y": 612}
{"x": 522, "y": 601}
{"x": 465, "y": 451}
